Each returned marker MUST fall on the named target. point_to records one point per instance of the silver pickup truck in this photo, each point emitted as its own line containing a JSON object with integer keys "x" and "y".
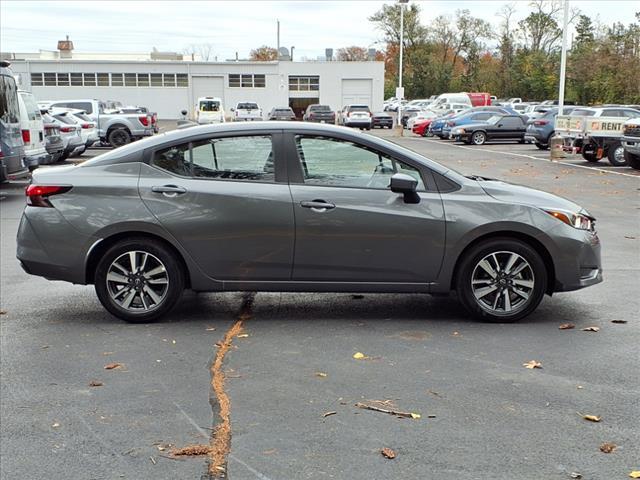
{"x": 115, "y": 127}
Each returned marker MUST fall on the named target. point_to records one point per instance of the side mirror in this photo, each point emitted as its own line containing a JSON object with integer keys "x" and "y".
{"x": 405, "y": 184}
{"x": 499, "y": 124}
{"x": 233, "y": 109}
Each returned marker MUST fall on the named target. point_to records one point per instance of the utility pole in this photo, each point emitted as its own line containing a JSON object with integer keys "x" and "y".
{"x": 400, "y": 90}
{"x": 563, "y": 58}
{"x": 278, "y": 36}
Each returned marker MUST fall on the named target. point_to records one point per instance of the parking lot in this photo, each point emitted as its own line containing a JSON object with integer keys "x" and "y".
{"x": 293, "y": 378}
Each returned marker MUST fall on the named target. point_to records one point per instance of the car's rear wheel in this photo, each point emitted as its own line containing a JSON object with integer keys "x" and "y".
{"x": 501, "y": 280}
{"x": 478, "y": 138}
{"x": 139, "y": 280}
{"x": 542, "y": 146}
{"x": 615, "y": 154}
{"x": 119, "y": 137}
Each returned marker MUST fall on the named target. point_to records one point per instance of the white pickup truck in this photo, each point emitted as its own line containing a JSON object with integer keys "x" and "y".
{"x": 246, "y": 112}
{"x": 595, "y": 132}
{"x": 631, "y": 142}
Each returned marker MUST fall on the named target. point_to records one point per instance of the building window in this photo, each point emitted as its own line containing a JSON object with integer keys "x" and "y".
{"x": 143, "y": 79}
{"x": 247, "y": 81}
{"x": 130, "y": 80}
{"x": 63, "y": 79}
{"x": 117, "y": 80}
{"x": 169, "y": 79}
{"x": 304, "y": 83}
{"x": 156, "y": 79}
{"x": 259, "y": 81}
{"x": 89, "y": 79}
{"x": 103, "y": 79}
{"x": 234, "y": 80}
{"x": 182, "y": 80}
{"x": 50, "y": 80}
{"x": 37, "y": 80}
{"x": 76, "y": 79}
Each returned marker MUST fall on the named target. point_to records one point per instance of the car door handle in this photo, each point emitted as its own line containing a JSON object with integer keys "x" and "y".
{"x": 169, "y": 190}
{"x": 318, "y": 205}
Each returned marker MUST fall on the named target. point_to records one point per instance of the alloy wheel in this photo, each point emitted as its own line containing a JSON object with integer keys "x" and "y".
{"x": 478, "y": 138}
{"x": 137, "y": 281}
{"x": 502, "y": 283}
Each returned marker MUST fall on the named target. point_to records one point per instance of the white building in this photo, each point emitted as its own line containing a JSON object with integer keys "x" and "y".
{"x": 170, "y": 86}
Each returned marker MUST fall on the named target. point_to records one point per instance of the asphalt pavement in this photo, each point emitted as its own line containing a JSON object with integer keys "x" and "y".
{"x": 293, "y": 382}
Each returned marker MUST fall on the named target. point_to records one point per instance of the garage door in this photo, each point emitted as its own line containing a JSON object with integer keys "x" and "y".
{"x": 207, "y": 87}
{"x": 356, "y": 91}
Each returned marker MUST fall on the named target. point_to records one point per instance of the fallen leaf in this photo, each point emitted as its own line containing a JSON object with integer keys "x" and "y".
{"x": 153, "y": 460}
{"x": 328, "y": 414}
{"x": 191, "y": 450}
{"x": 415, "y": 416}
{"x": 107, "y": 353}
{"x": 592, "y": 418}
{"x": 55, "y": 425}
{"x": 270, "y": 452}
{"x": 44, "y": 347}
{"x": 113, "y": 366}
{"x": 591, "y": 329}
{"x": 575, "y": 475}
{"x": 95, "y": 383}
{"x": 321, "y": 374}
{"x": 532, "y": 364}
{"x": 607, "y": 447}
{"x": 566, "y": 326}
{"x": 242, "y": 335}
{"x": 436, "y": 394}
{"x": 635, "y": 474}
{"x": 359, "y": 356}
{"x": 388, "y": 453}
{"x": 618, "y": 321}
{"x": 3, "y": 312}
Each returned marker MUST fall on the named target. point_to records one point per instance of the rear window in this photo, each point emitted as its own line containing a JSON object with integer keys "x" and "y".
{"x": 247, "y": 106}
{"x": 33, "y": 111}
{"x": 64, "y": 119}
{"x": 320, "y": 108}
{"x": 284, "y": 110}
{"x": 83, "y": 116}
{"x": 583, "y": 113}
{"x": 358, "y": 108}
{"x": 209, "y": 106}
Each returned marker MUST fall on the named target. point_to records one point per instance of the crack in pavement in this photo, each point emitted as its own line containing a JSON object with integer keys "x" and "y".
{"x": 221, "y": 435}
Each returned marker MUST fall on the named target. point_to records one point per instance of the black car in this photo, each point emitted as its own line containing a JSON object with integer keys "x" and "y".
{"x": 319, "y": 113}
{"x": 498, "y": 127}
{"x": 382, "y": 120}
{"x": 282, "y": 113}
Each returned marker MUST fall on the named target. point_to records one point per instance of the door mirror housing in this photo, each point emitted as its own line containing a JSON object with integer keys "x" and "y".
{"x": 405, "y": 184}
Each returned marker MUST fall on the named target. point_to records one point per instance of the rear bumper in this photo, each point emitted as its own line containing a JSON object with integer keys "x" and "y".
{"x": 358, "y": 123}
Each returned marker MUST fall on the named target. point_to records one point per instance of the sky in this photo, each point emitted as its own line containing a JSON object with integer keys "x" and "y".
{"x": 232, "y": 26}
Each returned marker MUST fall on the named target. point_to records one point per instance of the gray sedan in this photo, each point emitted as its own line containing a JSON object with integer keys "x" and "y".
{"x": 298, "y": 207}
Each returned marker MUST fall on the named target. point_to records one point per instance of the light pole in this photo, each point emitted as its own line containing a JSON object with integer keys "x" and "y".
{"x": 400, "y": 90}
{"x": 563, "y": 58}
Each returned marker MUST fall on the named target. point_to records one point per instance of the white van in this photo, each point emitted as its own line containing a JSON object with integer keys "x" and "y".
{"x": 209, "y": 110}
{"x": 32, "y": 127}
{"x": 459, "y": 98}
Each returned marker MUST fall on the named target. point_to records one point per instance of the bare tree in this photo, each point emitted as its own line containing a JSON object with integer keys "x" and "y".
{"x": 352, "y": 54}
{"x": 203, "y": 50}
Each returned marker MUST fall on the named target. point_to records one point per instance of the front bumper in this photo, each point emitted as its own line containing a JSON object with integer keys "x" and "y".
{"x": 631, "y": 144}
{"x": 578, "y": 263}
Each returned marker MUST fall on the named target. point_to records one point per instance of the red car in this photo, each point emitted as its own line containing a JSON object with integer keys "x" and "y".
{"x": 422, "y": 127}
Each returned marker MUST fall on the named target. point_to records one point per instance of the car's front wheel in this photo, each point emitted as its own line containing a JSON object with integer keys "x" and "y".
{"x": 501, "y": 280}
{"x": 632, "y": 159}
{"x": 615, "y": 154}
{"x": 478, "y": 138}
{"x": 139, "y": 280}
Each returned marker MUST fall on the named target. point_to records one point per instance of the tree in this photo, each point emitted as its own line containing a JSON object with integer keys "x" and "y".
{"x": 352, "y": 54}
{"x": 584, "y": 31}
{"x": 264, "y": 54}
{"x": 202, "y": 50}
{"x": 387, "y": 19}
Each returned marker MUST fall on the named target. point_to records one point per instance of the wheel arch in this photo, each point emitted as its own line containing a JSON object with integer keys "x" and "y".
{"x": 117, "y": 126}
{"x": 100, "y": 248}
{"x": 511, "y": 235}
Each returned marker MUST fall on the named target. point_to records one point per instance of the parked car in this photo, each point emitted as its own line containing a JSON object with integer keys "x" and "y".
{"x": 358, "y": 116}
{"x": 12, "y": 164}
{"x": 326, "y": 210}
{"x": 465, "y": 118}
{"x": 382, "y": 120}
{"x": 209, "y": 110}
{"x": 246, "y": 112}
{"x": 540, "y": 130}
{"x": 70, "y": 132}
{"x": 282, "y": 113}
{"x": 54, "y": 142}
{"x": 438, "y": 125}
{"x": 32, "y": 128}
{"x": 89, "y": 132}
{"x": 319, "y": 113}
{"x": 395, "y": 105}
{"x": 422, "y": 115}
{"x": 631, "y": 142}
{"x": 114, "y": 128}
{"x": 498, "y": 127}
{"x": 421, "y": 127}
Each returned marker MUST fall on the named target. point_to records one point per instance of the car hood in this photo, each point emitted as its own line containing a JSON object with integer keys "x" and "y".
{"x": 513, "y": 193}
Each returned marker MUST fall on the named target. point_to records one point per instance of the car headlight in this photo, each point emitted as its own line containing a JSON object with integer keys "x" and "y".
{"x": 575, "y": 220}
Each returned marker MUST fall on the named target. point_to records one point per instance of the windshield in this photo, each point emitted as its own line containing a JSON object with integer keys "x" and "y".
{"x": 9, "y": 112}
{"x": 209, "y": 106}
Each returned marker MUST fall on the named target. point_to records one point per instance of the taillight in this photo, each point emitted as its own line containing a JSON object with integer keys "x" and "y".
{"x": 144, "y": 120}
{"x": 38, "y": 195}
{"x": 66, "y": 129}
{"x": 86, "y": 125}
{"x": 370, "y": 114}
{"x": 540, "y": 122}
{"x": 154, "y": 118}
{"x": 26, "y": 136}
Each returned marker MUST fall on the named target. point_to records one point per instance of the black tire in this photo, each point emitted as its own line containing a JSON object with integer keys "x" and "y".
{"x": 541, "y": 146}
{"x": 590, "y": 153}
{"x": 478, "y": 138}
{"x": 615, "y": 154}
{"x": 470, "y": 264}
{"x": 118, "y": 137}
{"x": 159, "y": 253}
{"x": 632, "y": 160}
